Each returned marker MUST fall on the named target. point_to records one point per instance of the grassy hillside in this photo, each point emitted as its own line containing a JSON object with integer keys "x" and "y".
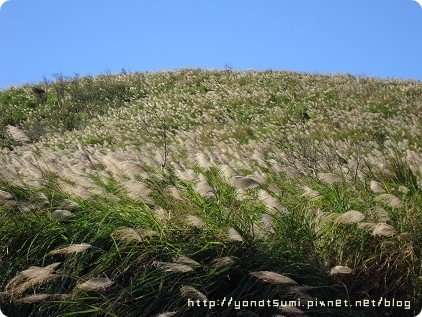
{"x": 134, "y": 194}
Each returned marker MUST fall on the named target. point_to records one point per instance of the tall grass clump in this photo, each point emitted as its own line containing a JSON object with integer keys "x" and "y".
{"x": 135, "y": 194}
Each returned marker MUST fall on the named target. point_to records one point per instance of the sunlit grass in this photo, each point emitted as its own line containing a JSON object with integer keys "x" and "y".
{"x": 130, "y": 193}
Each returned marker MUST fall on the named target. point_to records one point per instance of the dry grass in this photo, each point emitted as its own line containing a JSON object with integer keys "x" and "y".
{"x": 95, "y": 284}
{"x": 242, "y": 171}
{"x": 71, "y": 249}
{"x": 273, "y": 277}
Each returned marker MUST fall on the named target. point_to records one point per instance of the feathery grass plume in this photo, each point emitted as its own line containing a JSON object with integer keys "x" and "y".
{"x": 241, "y": 194}
{"x": 30, "y": 273}
{"x": 192, "y": 293}
{"x": 162, "y": 215}
{"x": 267, "y": 226}
{"x": 111, "y": 164}
{"x": 174, "y": 192}
{"x": 131, "y": 169}
{"x": 338, "y": 269}
{"x": 24, "y": 206}
{"x": 324, "y": 217}
{"x": 390, "y": 200}
{"x": 16, "y": 134}
{"x": 70, "y": 205}
{"x": 380, "y": 214}
{"x": 181, "y": 259}
{"x": 383, "y": 230}
{"x": 11, "y": 174}
{"x": 95, "y": 284}
{"x": 267, "y": 222}
{"x": 187, "y": 175}
{"x": 138, "y": 191}
{"x": 275, "y": 189}
{"x": 204, "y": 189}
{"x": 376, "y": 187}
{"x": 30, "y": 278}
{"x": 10, "y": 203}
{"x": 227, "y": 171}
{"x": 310, "y": 193}
{"x": 258, "y": 232}
{"x": 62, "y": 215}
{"x": 72, "y": 248}
{"x": 234, "y": 235}
{"x": 149, "y": 161}
{"x": 272, "y": 277}
{"x": 241, "y": 182}
{"x": 277, "y": 167}
{"x": 218, "y": 263}
{"x": 349, "y": 217}
{"x": 270, "y": 202}
{"x": 110, "y": 197}
{"x": 31, "y": 299}
{"x": 79, "y": 191}
{"x": 146, "y": 233}
{"x": 174, "y": 267}
{"x": 202, "y": 160}
{"x": 5, "y": 196}
{"x": 195, "y": 221}
{"x": 292, "y": 311}
{"x": 259, "y": 177}
{"x": 127, "y": 235}
{"x": 167, "y": 314}
{"x": 403, "y": 189}
{"x": 329, "y": 178}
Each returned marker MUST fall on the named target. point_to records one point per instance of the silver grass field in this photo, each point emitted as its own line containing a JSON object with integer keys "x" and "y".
{"x": 135, "y": 193}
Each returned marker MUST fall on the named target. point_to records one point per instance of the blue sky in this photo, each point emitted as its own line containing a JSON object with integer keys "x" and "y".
{"x": 381, "y": 38}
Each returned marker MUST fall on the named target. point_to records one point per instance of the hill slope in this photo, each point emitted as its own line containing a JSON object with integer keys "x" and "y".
{"x": 126, "y": 195}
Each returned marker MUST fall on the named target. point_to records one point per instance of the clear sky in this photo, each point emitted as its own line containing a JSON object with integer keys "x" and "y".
{"x": 381, "y": 38}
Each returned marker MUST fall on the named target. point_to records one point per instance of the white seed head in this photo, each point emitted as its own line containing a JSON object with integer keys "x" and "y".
{"x": 222, "y": 262}
{"x": 181, "y": 259}
{"x": 31, "y": 299}
{"x": 95, "y": 284}
{"x": 403, "y": 189}
{"x": 351, "y": 216}
{"x": 234, "y": 235}
{"x": 16, "y": 134}
{"x": 241, "y": 182}
{"x": 127, "y": 235}
{"x": 72, "y": 248}
{"x": 390, "y": 200}
{"x": 69, "y": 205}
{"x": 310, "y": 193}
{"x": 273, "y": 277}
{"x": 205, "y": 189}
{"x": 376, "y": 187}
{"x": 62, "y": 215}
{"x": 192, "y": 293}
{"x": 341, "y": 270}
{"x": 270, "y": 202}
{"x": 195, "y": 221}
{"x": 174, "y": 267}
{"x": 383, "y": 230}
{"x": 5, "y": 196}
{"x": 329, "y": 178}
